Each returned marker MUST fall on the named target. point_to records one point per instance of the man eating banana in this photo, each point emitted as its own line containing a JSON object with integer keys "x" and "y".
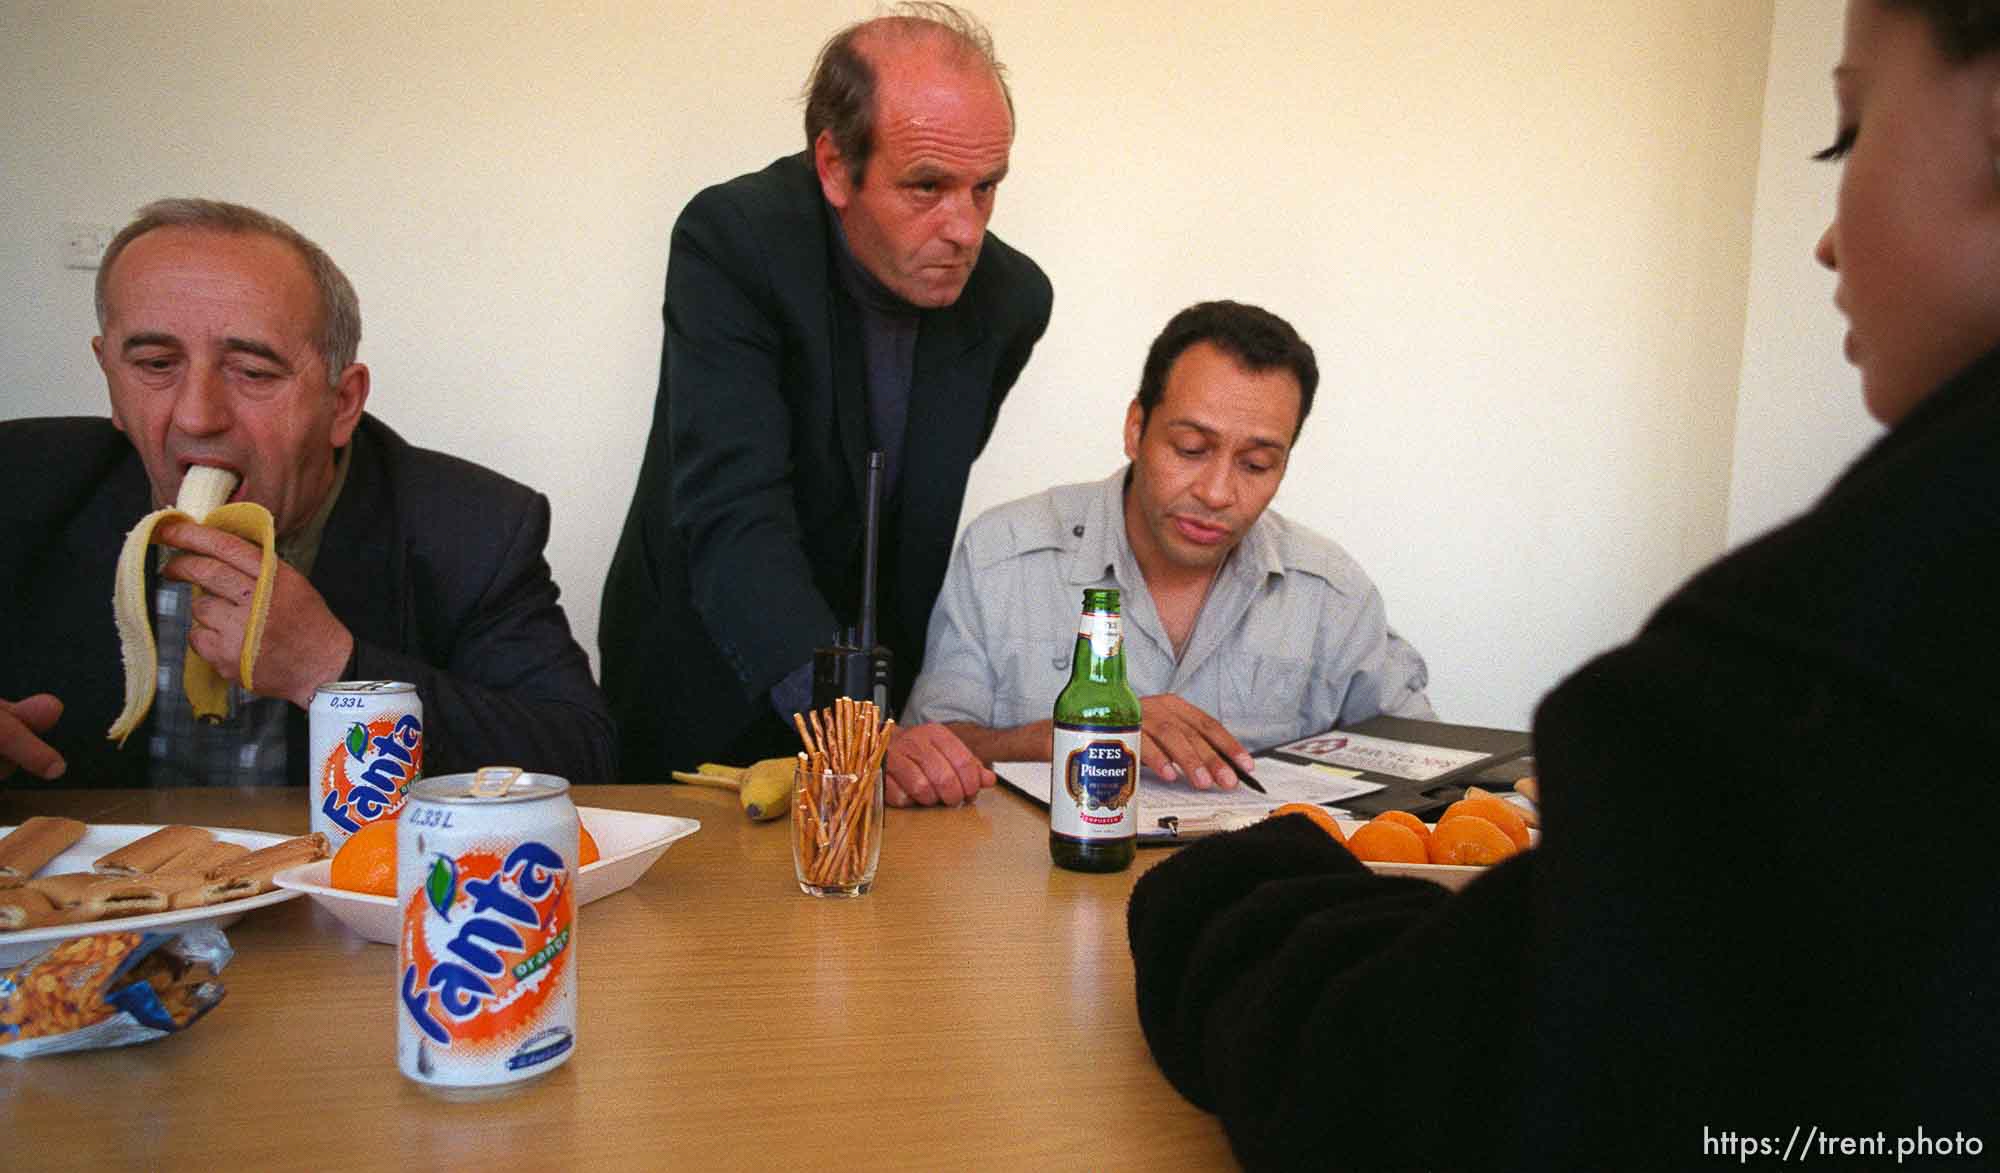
{"x": 310, "y": 542}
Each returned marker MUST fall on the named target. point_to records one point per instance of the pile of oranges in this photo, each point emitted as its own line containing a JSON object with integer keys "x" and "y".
{"x": 367, "y": 861}
{"x": 1475, "y": 831}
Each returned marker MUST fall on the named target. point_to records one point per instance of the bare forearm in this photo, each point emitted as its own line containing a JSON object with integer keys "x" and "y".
{"x": 1024, "y": 743}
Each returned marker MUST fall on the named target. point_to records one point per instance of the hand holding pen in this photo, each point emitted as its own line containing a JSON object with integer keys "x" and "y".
{"x": 1179, "y": 741}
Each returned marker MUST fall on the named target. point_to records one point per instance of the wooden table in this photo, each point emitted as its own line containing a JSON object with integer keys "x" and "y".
{"x": 975, "y": 1010}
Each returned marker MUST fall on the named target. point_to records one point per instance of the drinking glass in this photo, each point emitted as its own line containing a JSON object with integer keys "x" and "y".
{"x": 836, "y": 830}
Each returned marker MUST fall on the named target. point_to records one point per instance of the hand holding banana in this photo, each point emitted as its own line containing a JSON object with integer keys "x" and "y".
{"x": 240, "y": 581}
{"x": 303, "y": 644}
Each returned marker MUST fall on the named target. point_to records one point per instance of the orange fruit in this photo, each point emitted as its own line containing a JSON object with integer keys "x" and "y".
{"x": 367, "y": 861}
{"x": 1386, "y": 842}
{"x": 1406, "y": 819}
{"x": 1495, "y": 812}
{"x": 1469, "y": 839}
{"x": 1317, "y": 814}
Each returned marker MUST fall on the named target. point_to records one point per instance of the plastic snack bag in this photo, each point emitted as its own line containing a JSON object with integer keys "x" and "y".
{"x": 110, "y": 990}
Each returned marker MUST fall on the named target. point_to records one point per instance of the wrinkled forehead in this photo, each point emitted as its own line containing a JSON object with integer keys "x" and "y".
{"x": 190, "y": 275}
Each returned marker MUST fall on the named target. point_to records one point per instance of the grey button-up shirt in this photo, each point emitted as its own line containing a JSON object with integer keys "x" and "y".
{"x": 1292, "y": 640}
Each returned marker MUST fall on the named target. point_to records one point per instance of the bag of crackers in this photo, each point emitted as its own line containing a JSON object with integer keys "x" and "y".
{"x": 110, "y": 990}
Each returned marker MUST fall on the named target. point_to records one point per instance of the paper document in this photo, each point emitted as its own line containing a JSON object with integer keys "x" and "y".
{"x": 1167, "y": 809}
{"x": 1379, "y": 755}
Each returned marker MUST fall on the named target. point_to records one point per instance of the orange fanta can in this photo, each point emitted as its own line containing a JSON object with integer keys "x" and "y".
{"x": 364, "y": 751}
{"x": 486, "y": 957}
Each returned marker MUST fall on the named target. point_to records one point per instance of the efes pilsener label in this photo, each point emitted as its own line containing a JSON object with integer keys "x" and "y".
{"x": 1096, "y": 776}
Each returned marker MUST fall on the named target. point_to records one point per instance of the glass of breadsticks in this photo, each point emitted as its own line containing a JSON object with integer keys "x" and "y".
{"x": 837, "y": 798}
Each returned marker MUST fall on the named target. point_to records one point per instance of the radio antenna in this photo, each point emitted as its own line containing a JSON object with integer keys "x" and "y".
{"x": 872, "y": 522}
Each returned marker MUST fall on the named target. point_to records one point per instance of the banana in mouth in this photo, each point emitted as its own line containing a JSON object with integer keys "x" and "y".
{"x": 203, "y": 493}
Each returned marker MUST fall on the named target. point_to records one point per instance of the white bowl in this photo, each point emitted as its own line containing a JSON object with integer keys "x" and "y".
{"x": 628, "y": 843}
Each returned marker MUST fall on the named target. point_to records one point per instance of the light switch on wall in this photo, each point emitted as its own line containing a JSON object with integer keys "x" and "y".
{"x": 83, "y": 245}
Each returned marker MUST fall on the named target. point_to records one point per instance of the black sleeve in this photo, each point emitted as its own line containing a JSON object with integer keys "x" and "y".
{"x": 1039, "y": 296}
{"x": 728, "y": 447}
{"x": 1325, "y": 1013}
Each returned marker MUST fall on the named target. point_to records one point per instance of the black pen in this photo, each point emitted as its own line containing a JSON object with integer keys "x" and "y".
{"x": 1243, "y": 775}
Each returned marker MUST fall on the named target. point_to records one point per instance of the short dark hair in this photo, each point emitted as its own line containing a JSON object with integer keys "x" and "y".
{"x": 840, "y": 94}
{"x": 1964, "y": 29}
{"x": 1255, "y": 337}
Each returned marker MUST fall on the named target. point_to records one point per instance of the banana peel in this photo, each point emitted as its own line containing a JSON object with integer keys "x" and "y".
{"x": 201, "y": 500}
{"x": 764, "y": 789}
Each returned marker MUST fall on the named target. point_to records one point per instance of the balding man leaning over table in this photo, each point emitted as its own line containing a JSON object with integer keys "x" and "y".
{"x": 842, "y": 299}
{"x": 228, "y": 339}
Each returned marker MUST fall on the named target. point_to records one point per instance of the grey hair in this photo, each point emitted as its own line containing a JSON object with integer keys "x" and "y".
{"x": 339, "y": 326}
{"x": 840, "y": 94}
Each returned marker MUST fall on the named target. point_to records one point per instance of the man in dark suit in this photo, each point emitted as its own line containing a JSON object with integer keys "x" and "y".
{"x": 838, "y": 301}
{"x": 228, "y": 340}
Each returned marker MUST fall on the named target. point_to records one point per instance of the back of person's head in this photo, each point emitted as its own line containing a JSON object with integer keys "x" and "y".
{"x": 1965, "y": 29}
{"x": 339, "y": 327}
{"x": 1255, "y": 337}
{"x": 840, "y": 94}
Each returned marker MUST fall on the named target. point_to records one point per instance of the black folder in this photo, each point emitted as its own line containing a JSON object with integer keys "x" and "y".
{"x": 1508, "y": 758}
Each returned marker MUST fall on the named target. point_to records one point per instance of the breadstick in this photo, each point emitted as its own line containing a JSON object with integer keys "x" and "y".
{"x": 114, "y": 896}
{"x": 66, "y": 889}
{"x": 252, "y": 874}
{"x": 25, "y": 908}
{"x": 148, "y": 852}
{"x": 29, "y": 847}
{"x": 203, "y": 859}
{"x": 819, "y": 744}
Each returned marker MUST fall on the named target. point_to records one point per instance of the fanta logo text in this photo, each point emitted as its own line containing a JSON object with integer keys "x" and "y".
{"x": 390, "y": 756}
{"x": 503, "y": 916}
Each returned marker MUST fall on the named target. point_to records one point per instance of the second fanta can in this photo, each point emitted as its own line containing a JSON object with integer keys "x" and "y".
{"x": 364, "y": 751}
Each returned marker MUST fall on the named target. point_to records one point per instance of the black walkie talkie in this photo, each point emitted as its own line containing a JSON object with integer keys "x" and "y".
{"x": 855, "y": 665}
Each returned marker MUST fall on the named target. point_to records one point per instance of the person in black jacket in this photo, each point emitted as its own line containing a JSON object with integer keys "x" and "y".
{"x": 840, "y": 300}
{"x": 228, "y": 339}
{"x": 1762, "y": 913}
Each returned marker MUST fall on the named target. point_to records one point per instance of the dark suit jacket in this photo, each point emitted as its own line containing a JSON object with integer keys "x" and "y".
{"x": 433, "y": 563}
{"x": 742, "y": 549}
{"x": 1764, "y": 899}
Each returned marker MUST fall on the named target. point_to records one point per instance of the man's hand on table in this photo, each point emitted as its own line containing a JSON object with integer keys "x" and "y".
{"x": 21, "y": 747}
{"x": 1181, "y": 741}
{"x": 927, "y": 765}
{"x": 304, "y": 645}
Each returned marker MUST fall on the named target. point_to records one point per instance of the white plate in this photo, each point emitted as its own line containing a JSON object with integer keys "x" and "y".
{"x": 103, "y": 838}
{"x": 627, "y": 841}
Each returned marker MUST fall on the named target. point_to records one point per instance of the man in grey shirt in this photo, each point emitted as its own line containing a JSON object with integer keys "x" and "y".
{"x": 1241, "y": 628}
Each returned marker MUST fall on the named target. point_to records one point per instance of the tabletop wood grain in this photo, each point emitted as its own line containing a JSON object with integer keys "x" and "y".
{"x": 974, "y": 1011}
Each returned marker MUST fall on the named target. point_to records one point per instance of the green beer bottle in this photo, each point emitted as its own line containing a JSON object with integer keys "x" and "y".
{"x": 1094, "y": 774}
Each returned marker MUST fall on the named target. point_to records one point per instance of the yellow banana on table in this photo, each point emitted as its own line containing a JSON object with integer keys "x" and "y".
{"x": 201, "y": 500}
{"x": 764, "y": 789}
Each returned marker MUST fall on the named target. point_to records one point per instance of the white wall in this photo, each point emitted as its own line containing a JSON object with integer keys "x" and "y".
{"x": 1799, "y": 417}
{"x": 1519, "y": 235}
